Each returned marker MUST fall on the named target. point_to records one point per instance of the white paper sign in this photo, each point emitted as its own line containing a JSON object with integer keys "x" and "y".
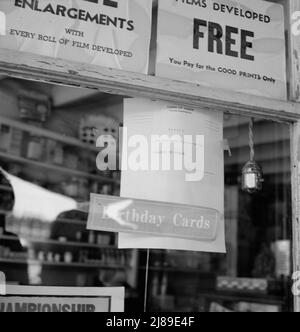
{"x": 110, "y": 33}
{"x": 201, "y": 187}
{"x": 62, "y": 299}
{"x": 282, "y": 251}
{"x": 237, "y": 45}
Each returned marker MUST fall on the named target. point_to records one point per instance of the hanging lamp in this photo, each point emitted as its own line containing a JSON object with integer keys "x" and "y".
{"x": 252, "y": 177}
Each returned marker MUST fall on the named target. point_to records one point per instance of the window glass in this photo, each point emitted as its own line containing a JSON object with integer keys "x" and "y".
{"x": 47, "y": 138}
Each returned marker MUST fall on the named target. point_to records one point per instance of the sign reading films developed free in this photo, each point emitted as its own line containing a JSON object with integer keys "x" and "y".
{"x": 110, "y": 33}
{"x": 237, "y": 45}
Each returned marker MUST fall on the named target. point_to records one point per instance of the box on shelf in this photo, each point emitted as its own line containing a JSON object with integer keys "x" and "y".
{"x": 34, "y": 106}
{"x": 217, "y": 308}
{"x": 5, "y": 137}
{"x": 256, "y": 307}
{"x": 35, "y": 148}
{"x": 242, "y": 285}
{"x": 54, "y": 152}
{"x": 17, "y": 137}
{"x": 93, "y": 126}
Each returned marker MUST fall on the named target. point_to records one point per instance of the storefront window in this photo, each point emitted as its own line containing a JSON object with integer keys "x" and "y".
{"x": 47, "y": 139}
{"x": 255, "y": 273}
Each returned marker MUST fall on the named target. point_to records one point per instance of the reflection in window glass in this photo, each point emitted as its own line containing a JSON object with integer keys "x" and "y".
{"x": 254, "y": 275}
{"x": 47, "y": 139}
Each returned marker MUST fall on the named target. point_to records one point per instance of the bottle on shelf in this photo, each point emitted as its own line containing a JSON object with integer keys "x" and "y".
{"x": 79, "y": 236}
{"x": 16, "y": 142}
{"x": 35, "y": 148}
{"x": 68, "y": 257}
{"x": 164, "y": 285}
{"x": 91, "y": 237}
{"x": 5, "y": 137}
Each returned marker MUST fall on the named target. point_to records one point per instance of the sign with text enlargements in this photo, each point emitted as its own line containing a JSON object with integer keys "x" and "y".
{"x": 114, "y": 214}
{"x": 235, "y": 45}
{"x": 110, "y": 33}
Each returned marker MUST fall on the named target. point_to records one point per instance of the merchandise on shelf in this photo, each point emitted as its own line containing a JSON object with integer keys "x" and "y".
{"x": 54, "y": 152}
{"x": 34, "y": 107}
{"x": 242, "y": 284}
{"x": 70, "y": 158}
{"x": 16, "y": 142}
{"x": 93, "y": 126}
{"x": 35, "y": 148}
{"x": 5, "y": 137}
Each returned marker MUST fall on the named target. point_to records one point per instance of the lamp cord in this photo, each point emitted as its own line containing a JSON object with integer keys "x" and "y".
{"x": 146, "y": 281}
{"x": 251, "y": 139}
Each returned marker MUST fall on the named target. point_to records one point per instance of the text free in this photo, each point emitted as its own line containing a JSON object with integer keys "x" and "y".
{"x": 215, "y": 43}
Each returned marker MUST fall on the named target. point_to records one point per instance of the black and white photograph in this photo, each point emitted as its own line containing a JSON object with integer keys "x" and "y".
{"x": 149, "y": 159}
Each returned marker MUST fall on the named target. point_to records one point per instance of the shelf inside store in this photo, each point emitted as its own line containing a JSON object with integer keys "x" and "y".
{"x": 243, "y": 297}
{"x": 60, "y": 265}
{"x": 57, "y": 243}
{"x": 60, "y": 169}
{"x": 58, "y": 220}
{"x": 67, "y": 140}
{"x": 186, "y": 270}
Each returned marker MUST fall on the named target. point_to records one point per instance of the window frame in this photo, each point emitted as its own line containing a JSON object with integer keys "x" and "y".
{"x": 40, "y": 68}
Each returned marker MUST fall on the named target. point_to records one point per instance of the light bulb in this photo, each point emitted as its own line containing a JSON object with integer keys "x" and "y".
{"x": 252, "y": 177}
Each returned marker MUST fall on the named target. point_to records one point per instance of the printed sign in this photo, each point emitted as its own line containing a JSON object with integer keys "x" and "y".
{"x": 110, "y": 33}
{"x": 2, "y": 24}
{"x": 174, "y": 155}
{"x": 2, "y": 283}
{"x": 113, "y": 214}
{"x": 237, "y": 45}
{"x": 52, "y": 299}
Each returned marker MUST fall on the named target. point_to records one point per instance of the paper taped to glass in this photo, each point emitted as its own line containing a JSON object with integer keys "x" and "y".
{"x": 202, "y": 185}
{"x": 114, "y": 34}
